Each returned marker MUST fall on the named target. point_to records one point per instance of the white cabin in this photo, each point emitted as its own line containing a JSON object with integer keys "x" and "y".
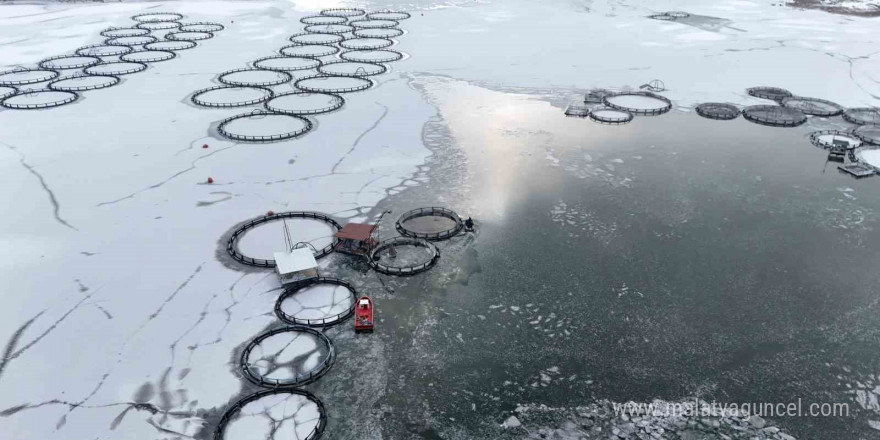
{"x": 296, "y": 265}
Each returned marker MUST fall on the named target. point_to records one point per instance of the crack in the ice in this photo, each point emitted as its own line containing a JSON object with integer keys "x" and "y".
{"x": 55, "y": 205}
{"x": 357, "y": 141}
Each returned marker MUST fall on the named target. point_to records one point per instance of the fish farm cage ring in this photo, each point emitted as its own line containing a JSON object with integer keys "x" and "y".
{"x": 158, "y": 25}
{"x": 263, "y": 126}
{"x": 116, "y": 68}
{"x": 859, "y": 116}
{"x": 663, "y": 17}
{"x": 103, "y": 50}
{"x": 40, "y": 99}
{"x": 639, "y": 103}
{"x": 231, "y": 96}
{"x": 371, "y": 56}
{"x": 253, "y": 77}
{"x": 366, "y": 43}
{"x": 313, "y": 38}
{"x": 373, "y": 24}
{"x": 718, "y": 110}
{"x": 62, "y": 62}
{"x": 6, "y": 92}
{"x": 610, "y": 115}
{"x": 328, "y": 29}
{"x": 333, "y": 84}
{"x": 18, "y": 77}
{"x": 774, "y": 115}
{"x": 286, "y": 357}
{"x": 813, "y": 106}
{"x": 308, "y": 50}
{"x": 139, "y": 40}
{"x": 343, "y": 12}
{"x": 773, "y": 93}
{"x": 232, "y": 243}
{"x": 351, "y": 68}
{"x": 825, "y": 139}
{"x": 301, "y": 304}
{"x": 149, "y": 56}
{"x": 188, "y": 36}
{"x": 282, "y": 63}
{"x": 115, "y": 32}
{"x": 389, "y": 15}
{"x": 171, "y": 45}
{"x": 578, "y": 110}
{"x": 322, "y": 19}
{"x": 153, "y": 17}
{"x": 678, "y": 14}
{"x": 83, "y": 82}
{"x": 386, "y": 256}
{"x": 201, "y": 26}
{"x": 377, "y": 33}
{"x": 304, "y": 103}
{"x": 279, "y": 409}
{"x": 870, "y": 134}
{"x": 433, "y": 223}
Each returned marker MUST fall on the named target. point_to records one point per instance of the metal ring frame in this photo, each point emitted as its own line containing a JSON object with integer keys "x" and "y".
{"x": 237, "y": 406}
{"x": 719, "y": 111}
{"x": 796, "y": 116}
{"x": 297, "y": 381}
{"x": 368, "y": 83}
{"x": 285, "y": 78}
{"x": 195, "y": 97}
{"x": 322, "y": 322}
{"x": 221, "y": 128}
{"x": 403, "y": 271}
{"x": 433, "y": 211}
{"x": 323, "y": 69}
{"x": 639, "y": 111}
{"x": 338, "y": 101}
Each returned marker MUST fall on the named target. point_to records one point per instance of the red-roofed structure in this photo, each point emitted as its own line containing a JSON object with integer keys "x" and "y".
{"x": 355, "y": 238}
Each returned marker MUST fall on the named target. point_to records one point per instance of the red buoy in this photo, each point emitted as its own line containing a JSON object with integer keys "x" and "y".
{"x": 210, "y": 180}
{"x": 205, "y": 146}
{"x": 270, "y": 213}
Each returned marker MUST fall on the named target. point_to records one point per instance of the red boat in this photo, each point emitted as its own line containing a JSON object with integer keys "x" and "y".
{"x": 363, "y": 315}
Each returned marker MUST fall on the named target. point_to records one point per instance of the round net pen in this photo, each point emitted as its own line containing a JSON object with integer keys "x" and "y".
{"x": 201, "y": 26}
{"x": 869, "y": 134}
{"x": 377, "y": 33}
{"x": 351, "y": 68}
{"x": 813, "y": 106}
{"x": 115, "y": 32}
{"x": 772, "y": 93}
{"x": 313, "y": 38}
{"x": 232, "y": 243}
{"x": 6, "y": 92}
{"x": 322, "y": 314}
{"x": 333, "y": 84}
{"x": 39, "y": 99}
{"x": 103, "y": 50}
{"x": 322, "y": 19}
{"x": 308, "y": 50}
{"x": 774, "y": 116}
{"x": 366, "y": 43}
{"x": 328, "y": 29}
{"x": 678, "y": 14}
{"x": 83, "y": 82}
{"x": 283, "y": 63}
{"x": 158, "y": 25}
{"x": 116, "y": 68}
{"x": 639, "y": 103}
{"x": 263, "y": 403}
{"x": 149, "y": 56}
{"x": 389, "y": 15}
{"x": 231, "y": 96}
{"x": 384, "y": 256}
{"x": 21, "y": 76}
{"x": 610, "y": 116}
{"x": 259, "y": 359}
{"x": 343, "y": 12}
{"x": 172, "y": 46}
{"x": 130, "y": 41}
{"x": 304, "y": 103}
{"x": 718, "y": 110}
{"x": 252, "y": 77}
{"x": 62, "y": 62}
{"x": 153, "y": 17}
{"x": 431, "y": 223}
{"x": 836, "y": 140}
{"x": 662, "y": 17}
{"x": 188, "y": 36}
{"x": 373, "y": 24}
{"x": 371, "y": 56}
{"x": 263, "y": 126}
{"x": 859, "y": 116}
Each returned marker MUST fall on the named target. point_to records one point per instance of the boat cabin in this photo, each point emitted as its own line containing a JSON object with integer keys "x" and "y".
{"x": 355, "y": 238}
{"x": 297, "y": 265}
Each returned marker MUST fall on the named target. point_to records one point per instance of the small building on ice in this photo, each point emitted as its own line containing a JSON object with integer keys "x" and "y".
{"x": 297, "y": 265}
{"x": 356, "y": 238}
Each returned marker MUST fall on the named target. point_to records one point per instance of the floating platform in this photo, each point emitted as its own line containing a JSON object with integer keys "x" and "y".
{"x": 857, "y": 170}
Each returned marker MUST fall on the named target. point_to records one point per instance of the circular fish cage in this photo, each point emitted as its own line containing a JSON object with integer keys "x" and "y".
{"x": 316, "y": 302}
{"x": 6, "y": 92}
{"x": 62, "y": 62}
{"x": 377, "y": 33}
{"x": 313, "y": 38}
{"x": 149, "y": 56}
{"x": 328, "y": 28}
{"x": 172, "y": 46}
{"x": 662, "y": 16}
{"x": 333, "y": 84}
{"x": 201, "y": 26}
{"x": 115, "y": 68}
{"x": 610, "y": 115}
{"x": 373, "y": 24}
{"x": 718, "y": 110}
{"x": 869, "y": 134}
{"x": 158, "y": 25}
{"x": 433, "y": 223}
{"x": 388, "y": 15}
{"x": 282, "y": 63}
{"x": 304, "y": 103}
{"x": 288, "y": 413}
{"x": 253, "y": 77}
{"x": 371, "y": 56}
{"x": 343, "y": 12}
{"x": 366, "y": 43}
{"x": 103, "y": 50}
{"x": 774, "y": 115}
{"x": 308, "y": 50}
{"x": 351, "y": 68}
{"x": 678, "y": 14}
{"x": 117, "y": 32}
{"x": 287, "y": 357}
{"x": 322, "y": 19}
{"x": 231, "y": 96}
{"x": 139, "y": 40}
{"x": 859, "y": 116}
{"x": 83, "y": 82}
{"x": 403, "y": 256}
{"x": 639, "y": 103}
{"x": 263, "y": 126}
{"x": 38, "y": 99}
{"x": 835, "y": 140}
{"x": 188, "y": 36}
{"x": 232, "y": 245}
{"x": 772, "y": 93}
{"x": 813, "y": 106}
{"x": 153, "y": 17}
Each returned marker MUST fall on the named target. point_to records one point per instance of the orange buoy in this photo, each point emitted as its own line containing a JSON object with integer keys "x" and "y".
{"x": 210, "y": 180}
{"x": 205, "y": 146}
